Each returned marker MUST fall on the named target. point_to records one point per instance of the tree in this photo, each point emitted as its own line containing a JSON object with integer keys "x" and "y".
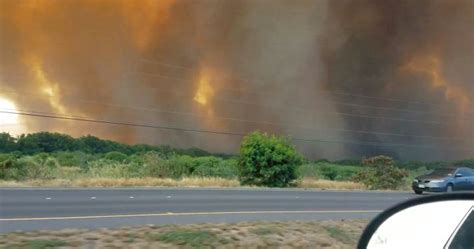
{"x": 46, "y": 142}
{"x": 380, "y": 172}
{"x": 268, "y": 161}
{"x": 7, "y": 143}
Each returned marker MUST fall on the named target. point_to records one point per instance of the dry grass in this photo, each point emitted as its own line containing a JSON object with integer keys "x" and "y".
{"x": 126, "y": 182}
{"x": 327, "y": 184}
{"x": 315, "y": 234}
{"x": 166, "y": 182}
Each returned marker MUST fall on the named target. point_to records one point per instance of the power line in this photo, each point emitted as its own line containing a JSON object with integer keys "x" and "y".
{"x": 305, "y": 110}
{"x": 240, "y": 134}
{"x": 193, "y": 69}
{"x": 245, "y": 120}
{"x": 324, "y": 91}
{"x": 436, "y": 112}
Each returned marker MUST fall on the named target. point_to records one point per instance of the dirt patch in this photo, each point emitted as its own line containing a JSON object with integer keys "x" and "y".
{"x": 314, "y": 234}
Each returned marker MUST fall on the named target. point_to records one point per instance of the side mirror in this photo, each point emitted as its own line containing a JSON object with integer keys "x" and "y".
{"x": 438, "y": 221}
{"x": 458, "y": 175}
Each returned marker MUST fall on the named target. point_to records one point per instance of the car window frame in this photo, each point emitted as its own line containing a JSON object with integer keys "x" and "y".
{"x": 456, "y": 231}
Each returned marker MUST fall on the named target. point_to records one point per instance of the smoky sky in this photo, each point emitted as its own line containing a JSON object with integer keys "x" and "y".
{"x": 348, "y": 78}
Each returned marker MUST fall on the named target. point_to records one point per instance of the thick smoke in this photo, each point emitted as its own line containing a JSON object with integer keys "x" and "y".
{"x": 422, "y": 51}
{"x": 239, "y": 66}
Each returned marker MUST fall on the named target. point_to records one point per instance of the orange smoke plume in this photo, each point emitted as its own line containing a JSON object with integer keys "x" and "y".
{"x": 144, "y": 18}
{"x": 204, "y": 92}
{"x": 45, "y": 85}
{"x": 431, "y": 67}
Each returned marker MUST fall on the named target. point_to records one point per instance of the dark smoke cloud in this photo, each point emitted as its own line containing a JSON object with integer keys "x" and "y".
{"x": 266, "y": 62}
{"x": 368, "y": 43}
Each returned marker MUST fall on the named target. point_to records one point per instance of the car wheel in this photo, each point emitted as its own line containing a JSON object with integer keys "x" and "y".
{"x": 418, "y": 192}
{"x": 449, "y": 189}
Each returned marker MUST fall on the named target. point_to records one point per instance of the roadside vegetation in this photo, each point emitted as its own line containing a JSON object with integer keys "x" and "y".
{"x": 51, "y": 159}
{"x": 298, "y": 234}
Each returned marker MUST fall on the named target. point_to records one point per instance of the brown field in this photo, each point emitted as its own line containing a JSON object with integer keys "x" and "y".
{"x": 315, "y": 234}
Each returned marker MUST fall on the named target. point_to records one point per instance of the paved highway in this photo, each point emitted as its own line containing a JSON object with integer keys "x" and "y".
{"x": 56, "y": 208}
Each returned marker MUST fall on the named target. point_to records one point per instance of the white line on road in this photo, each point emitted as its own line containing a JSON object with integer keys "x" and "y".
{"x": 191, "y": 214}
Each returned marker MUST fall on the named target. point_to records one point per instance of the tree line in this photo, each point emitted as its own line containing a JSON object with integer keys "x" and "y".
{"x": 48, "y": 142}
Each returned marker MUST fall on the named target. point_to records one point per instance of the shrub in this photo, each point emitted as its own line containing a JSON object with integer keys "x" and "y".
{"x": 183, "y": 165}
{"x": 175, "y": 167}
{"x": 109, "y": 168}
{"x": 74, "y": 159}
{"x": 268, "y": 161}
{"x": 380, "y": 173}
{"x": 216, "y": 167}
{"x": 8, "y": 168}
{"x": 35, "y": 167}
{"x": 116, "y": 156}
{"x": 465, "y": 163}
{"x": 328, "y": 171}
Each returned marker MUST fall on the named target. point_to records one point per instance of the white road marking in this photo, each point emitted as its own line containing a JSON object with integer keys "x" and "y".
{"x": 168, "y": 197}
{"x": 48, "y": 198}
{"x": 93, "y": 198}
{"x": 131, "y": 197}
{"x": 192, "y": 214}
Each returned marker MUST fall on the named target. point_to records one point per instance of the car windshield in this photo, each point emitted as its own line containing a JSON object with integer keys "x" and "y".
{"x": 442, "y": 172}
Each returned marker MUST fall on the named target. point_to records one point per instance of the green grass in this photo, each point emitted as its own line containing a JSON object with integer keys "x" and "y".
{"x": 193, "y": 239}
{"x": 328, "y": 171}
{"x": 338, "y": 234}
{"x": 39, "y": 244}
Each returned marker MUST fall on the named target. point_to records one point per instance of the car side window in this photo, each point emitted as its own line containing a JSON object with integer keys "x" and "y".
{"x": 464, "y": 172}
{"x": 468, "y": 172}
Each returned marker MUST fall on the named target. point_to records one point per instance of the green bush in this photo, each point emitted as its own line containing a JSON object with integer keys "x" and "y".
{"x": 108, "y": 168}
{"x": 34, "y": 167}
{"x": 116, "y": 156}
{"x": 329, "y": 171}
{"x": 175, "y": 167}
{"x": 205, "y": 162}
{"x": 216, "y": 167}
{"x": 182, "y": 165}
{"x": 465, "y": 163}
{"x": 8, "y": 168}
{"x": 74, "y": 159}
{"x": 268, "y": 161}
{"x": 380, "y": 173}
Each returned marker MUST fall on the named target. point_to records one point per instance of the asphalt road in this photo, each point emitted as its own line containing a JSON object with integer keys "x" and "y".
{"x": 55, "y": 208}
